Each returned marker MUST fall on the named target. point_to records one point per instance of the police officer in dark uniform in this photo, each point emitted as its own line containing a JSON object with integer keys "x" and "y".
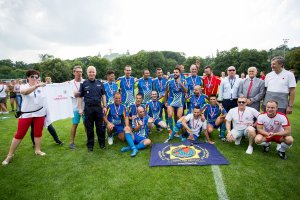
{"x": 93, "y": 92}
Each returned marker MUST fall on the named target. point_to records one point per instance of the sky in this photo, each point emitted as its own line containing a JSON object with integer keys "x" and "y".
{"x": 68, "y": 29}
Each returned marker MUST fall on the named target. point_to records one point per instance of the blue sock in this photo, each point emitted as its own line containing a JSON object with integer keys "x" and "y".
{"x": 141, "y": 145}
{"x": 222, "y": 130}
{"x": 175, "y": 130}
{"x": 129, "y": 140}
{"x": 170, "y": 122}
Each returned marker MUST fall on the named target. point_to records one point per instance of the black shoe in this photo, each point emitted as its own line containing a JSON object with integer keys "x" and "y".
{"x": 266, "y": 148}
{"x": 59, "y": 142}
{"x": 102, "y": 146}
{"x": 282, "y": 155}
{"x": 90, "y": 150}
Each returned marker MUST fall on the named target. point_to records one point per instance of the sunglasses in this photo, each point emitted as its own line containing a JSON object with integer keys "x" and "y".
{"x": 231, "y": 70}
{"x": 34, "y": 76}
{"x": 242, "y": 102}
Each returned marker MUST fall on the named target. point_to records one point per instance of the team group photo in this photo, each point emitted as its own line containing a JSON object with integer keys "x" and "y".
{"x": 149, "y": 99}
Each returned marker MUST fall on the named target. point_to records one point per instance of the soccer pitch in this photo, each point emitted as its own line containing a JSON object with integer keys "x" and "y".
{"x": 110, "y": 174}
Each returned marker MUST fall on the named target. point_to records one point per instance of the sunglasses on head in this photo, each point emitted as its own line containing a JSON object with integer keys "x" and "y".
{"x": 34, "y": 76}
{"x": 242, "y": 102}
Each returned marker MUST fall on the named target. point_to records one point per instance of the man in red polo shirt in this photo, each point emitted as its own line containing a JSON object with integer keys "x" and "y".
{"x": 210, "y": 82}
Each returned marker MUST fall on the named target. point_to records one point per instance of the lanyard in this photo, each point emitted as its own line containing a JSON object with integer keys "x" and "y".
{"x": 111, "y": 89}
{"x": 231, "y": 81}
{"x": 76, "y": 86}
{"x": 194, "y": 81}
{"x": 195, "y": 126}
{"x": 212, "y": 111}
{"x": 241, "y": 116}
{"x": 176, "y": 85}
{"x": 154, "y": 105}
{"x": 209, "y": 82}
{"x": 117, "y": 111}
{"x": 128, "y": 82}
{"x": 147, "y": 83}
{"x": 160, "y": 83}
{"x": 196, "y": 100}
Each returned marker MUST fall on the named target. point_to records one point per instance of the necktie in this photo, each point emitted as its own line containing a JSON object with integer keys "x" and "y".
{"x": 249, "y": 88}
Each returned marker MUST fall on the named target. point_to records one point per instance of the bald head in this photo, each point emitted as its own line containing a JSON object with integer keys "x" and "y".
{"x": 141, "y": 112}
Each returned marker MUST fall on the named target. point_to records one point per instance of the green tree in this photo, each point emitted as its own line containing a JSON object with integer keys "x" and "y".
{"x": 293, "y": 60}
{"x": 57, "y": 69}
{"x": 101, "y": 65}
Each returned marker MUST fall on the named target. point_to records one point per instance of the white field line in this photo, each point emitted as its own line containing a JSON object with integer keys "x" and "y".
{"x": 221, "y": 189}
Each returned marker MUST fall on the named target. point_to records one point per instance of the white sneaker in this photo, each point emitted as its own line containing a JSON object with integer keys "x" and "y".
{"x": 238, "y": 141}
{"x": 278, "y": 147}
{"x": 0, "y": 113}
{"x": 7, "y": 160}
{"x": 5, "y": 112}
{"x": 110, "y": 140}
{"x": 249, "y": 150}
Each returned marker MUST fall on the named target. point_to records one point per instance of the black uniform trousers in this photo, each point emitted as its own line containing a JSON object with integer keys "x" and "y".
{"x": 229, "y": 103}
{"x": 94, "y": 115}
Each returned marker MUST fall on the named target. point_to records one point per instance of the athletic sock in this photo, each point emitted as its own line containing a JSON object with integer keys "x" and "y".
{"x": 129, "y": 140}
{"x": 175, "y": 130}
{"x": 264, "y": 144}
{"x": 284, "y": 147}
{"x": 222, "y": 130}
{"x": 170, "y": 122}
{"x": 141, "y": 145}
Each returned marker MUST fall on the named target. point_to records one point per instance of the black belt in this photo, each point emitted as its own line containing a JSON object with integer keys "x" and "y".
{"x": 230, "y": 99}
{"x": 93, "y": 105}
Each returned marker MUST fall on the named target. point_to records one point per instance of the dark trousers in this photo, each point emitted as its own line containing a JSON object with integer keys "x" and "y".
{"x": 51, "y": 130}
{"x": 229, "y": 103}
{"x": 94, "y": 115}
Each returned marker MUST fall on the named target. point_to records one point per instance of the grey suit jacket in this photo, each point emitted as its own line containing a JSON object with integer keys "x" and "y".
{"x": 257, "y": 91}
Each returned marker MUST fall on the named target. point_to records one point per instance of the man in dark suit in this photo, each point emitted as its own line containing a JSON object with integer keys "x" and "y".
{"x": 252, "y": 88}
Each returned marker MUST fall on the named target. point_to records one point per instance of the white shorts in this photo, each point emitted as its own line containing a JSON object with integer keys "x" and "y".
{"x": 239, "y": 133}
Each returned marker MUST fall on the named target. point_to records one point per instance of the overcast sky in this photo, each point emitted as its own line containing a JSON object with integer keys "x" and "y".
{"x": 75, "y": 28}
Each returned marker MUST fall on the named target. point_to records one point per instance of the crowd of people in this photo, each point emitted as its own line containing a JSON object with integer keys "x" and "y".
{"x": 128, "y": 108}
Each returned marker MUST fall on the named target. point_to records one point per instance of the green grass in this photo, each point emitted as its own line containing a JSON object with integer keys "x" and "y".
{"x": 110, "y": 174}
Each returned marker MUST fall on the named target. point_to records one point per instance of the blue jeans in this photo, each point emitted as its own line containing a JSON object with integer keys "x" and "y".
{"x": 19, "y": 101}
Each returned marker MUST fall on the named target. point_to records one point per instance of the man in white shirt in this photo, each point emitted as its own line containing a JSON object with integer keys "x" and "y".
{"x": 228, "y": 90}
{"x": 77, "y": 72}
{"x": 242, "y": 118}
{"x": 274, "y": 126}
{"x": 193, "y": 123}
{"x": 280, "y": 85}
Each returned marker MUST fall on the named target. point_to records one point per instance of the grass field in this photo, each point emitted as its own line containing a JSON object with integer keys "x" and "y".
{"x": 110, "y": 174}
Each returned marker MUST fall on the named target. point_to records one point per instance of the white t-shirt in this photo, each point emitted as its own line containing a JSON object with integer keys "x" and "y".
{"x": 75, "y": 88}
{"x": 58, "y": 100}
{"x": 242, "y": 119}
{"x": 32, "y": 102}
{"x": 280, "y": 82}
{"x": 3, "y": 91}
{"x": 195, "y": 124}
{"x": 274, "y": 124}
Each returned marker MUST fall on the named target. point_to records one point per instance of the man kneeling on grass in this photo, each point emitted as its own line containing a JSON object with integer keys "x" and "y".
{"x": 116, "y": 119}
{"x": 215, "y": 115}
{"x": 193, "y": 123}
{"x": 141, "y": 127}
{"x": 274, "y": 126}
{"x": 242, "y": 118}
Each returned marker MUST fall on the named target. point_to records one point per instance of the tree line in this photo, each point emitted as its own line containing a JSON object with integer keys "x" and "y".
{"x": 61, "y": 70}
